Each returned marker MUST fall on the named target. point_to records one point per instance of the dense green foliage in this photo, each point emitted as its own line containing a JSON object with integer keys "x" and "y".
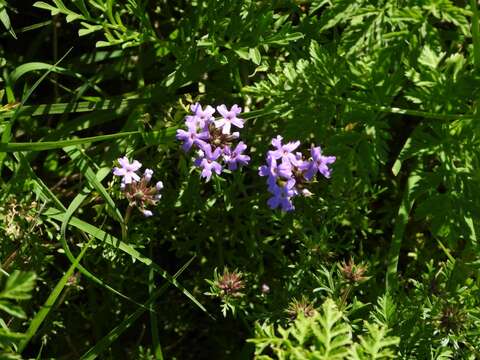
{"x": 381, "y": 262}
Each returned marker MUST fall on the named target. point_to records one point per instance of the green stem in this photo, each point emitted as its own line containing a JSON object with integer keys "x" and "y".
{"x": 157, "y": 347}
{"x": 345, "y": 295}
{"x": 475, "y": 34}
{"x": 400, "y": 111}
{"x": 128, "y": 213}
{"x": 400, "y": 224}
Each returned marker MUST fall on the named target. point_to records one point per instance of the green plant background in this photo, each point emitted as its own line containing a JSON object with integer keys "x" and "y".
{"x": 389, "y": 87}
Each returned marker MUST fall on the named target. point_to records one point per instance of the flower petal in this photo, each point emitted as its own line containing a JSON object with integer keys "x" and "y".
{"x": 123, "y": 161}
{"x": 222, "y": 110}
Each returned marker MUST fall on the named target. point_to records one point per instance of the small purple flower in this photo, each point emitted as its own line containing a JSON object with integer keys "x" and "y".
{"x": 127, "y": 170}
{"x": 274, "y": 171}
{"x": 319, "y": 163}
{"x": 208, "y": 162}
{"x": 229, "y": 118}
{"x": 210, "y": 139}
{"x": 283, "y": 199}
{"x": 284, "y": 151}
{"x": 290, "y": 178}
{"x": 200, "y": 117}
{"x": 191, "y": 136}
{"x": 235, "y": 157}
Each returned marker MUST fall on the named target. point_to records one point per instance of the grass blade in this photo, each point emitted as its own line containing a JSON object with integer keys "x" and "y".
{"x": 157, "y": 348}
{"x": 81, "y": 162}
{"x": 106, "y": 341}
{"x": 49, "y": 145}
{"x": 44, "y": 193}
{"x": 7, "y": 131}
{"x": 40, "y": 189}
{"x": 75, "y": 107}
{"x": 113, "y": 241}
{"x": 400, "y": 225}
{"x": 74, "y": 205}
{"x": 47, "y": 307}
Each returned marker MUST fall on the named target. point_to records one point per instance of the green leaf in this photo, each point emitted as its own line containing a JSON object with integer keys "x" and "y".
{"x": 398, "y": 162}
{"x": 243, "y": 53}
{"x": 385, "y": 312}
{"x": 77, "y": 107}
{"x": 284, "y": 39}
{"x": 430, "y": 58}
{"x": 18, "y": 286}
{"x": 255, "y": 56}
{"x": 7, "y": 335}
{"x": 43, "y": 5}
{"x": 88, "y": 29}
{"x": 6, "y": 21}
{"x": 322, "y": 336}
{"x": 333, "y": 334}
{"x": 38, "y": 66}
{"x": 49, "y": 145}
{"x": 376, "y": 345}
{"x": 12, "y": 309}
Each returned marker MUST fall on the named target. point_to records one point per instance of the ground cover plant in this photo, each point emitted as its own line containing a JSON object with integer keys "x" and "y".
{"x": 239, "y": 179}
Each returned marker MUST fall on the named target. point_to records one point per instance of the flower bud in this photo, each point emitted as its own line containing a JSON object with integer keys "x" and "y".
{"x": 147, "y": 213}
{"x": 306, "y": 192}
{"x": 148, "y": 174}
{"x": 265, "y": 289}
{"x": 159, "y": 186}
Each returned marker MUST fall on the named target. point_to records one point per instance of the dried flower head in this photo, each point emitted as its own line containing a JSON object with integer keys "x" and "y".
{"x": 231, "y": 283}
{"x": 137, "y": 190}
{"x": 74, "y": 281}
{"x": 303, "y": 306}
{"x": 141, "y": 194}
{"x": 452, "y": 318}
{"x": 17, "y": 218}
{"x": 353, "y": 273}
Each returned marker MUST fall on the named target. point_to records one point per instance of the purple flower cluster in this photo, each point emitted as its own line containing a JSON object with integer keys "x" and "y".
{"x": 137, "y": 190}
{"x": 289, "y": 172}
{"x": 213, "y": 139}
